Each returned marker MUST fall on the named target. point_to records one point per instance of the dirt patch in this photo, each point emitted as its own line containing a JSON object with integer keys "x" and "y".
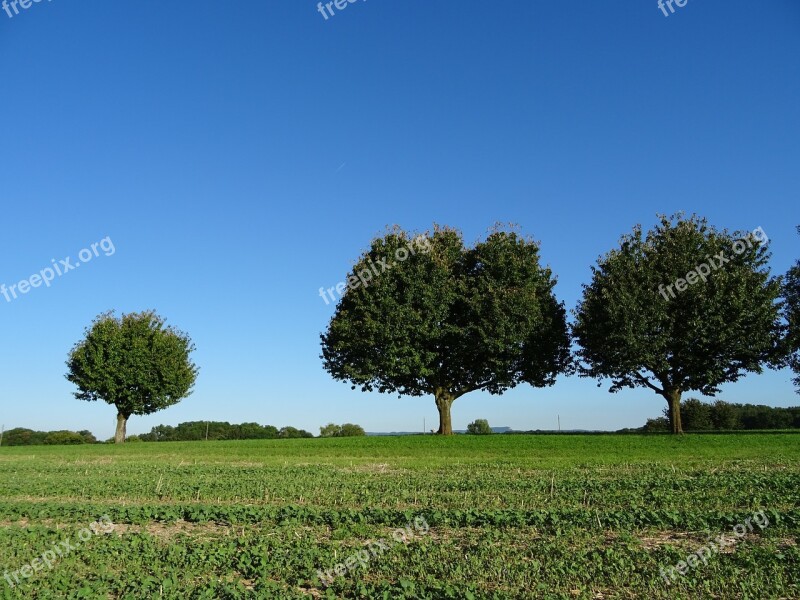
{"x": 168, "y": 531}
{"x": 375, "y": 468}
{"x": 692, "y": 541}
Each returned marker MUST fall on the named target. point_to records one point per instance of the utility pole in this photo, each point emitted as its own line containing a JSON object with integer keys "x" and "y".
{"x": 2, "y": 431}
{"x": 207, "y": 425}
{"x": 559, "y": 423}
{"x": 423, "y": 427}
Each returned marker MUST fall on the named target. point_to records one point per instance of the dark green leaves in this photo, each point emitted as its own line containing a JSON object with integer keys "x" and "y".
{"x": 449, "y": 317}
{"x": 791, "y": 292}
{"x": 134, "y": 362}
{"x": 636, "y": 327}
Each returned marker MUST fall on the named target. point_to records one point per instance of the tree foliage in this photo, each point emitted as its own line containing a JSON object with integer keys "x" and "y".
{"x": 695, "y": 415}
{"x": 329, "y": 430}
{"x": 724, "y": 416}
{"x": 447, "y": 320}
{"x": 479, "y": 427}
{"x": 791, "y": 294}
{"x": 346, "y": 430}
{"x": 135, "y": 363}
{"x": 293, "y": 432}
{"x": 211, "y": 430}
{"x": 21, "y": 436}
{"x": 634, "y": 329}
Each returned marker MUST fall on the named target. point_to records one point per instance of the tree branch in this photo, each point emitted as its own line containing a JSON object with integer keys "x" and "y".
{"x": 644, "y": 380}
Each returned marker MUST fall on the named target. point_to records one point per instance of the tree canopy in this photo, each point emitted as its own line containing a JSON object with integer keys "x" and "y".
{"x": 479, "y": 427}
{"x": 135, "y": 362}
{"x": 446, "y": 320}
{"x": 21, "y": 436}
{"x": 684, "y": 307}
{"x": 209, "y": 430}
{"x": 346, "y": 430}
{"x": 791, "y": 294}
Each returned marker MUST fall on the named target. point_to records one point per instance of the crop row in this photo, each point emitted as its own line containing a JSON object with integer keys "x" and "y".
{"x": 455, "y": 488}
{"x": 551, "y": 520}
{"x": 281, "y": 561}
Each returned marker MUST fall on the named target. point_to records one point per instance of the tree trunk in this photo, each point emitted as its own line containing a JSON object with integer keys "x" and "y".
{"x": 444, "y": 400}
{"x": 674, "y": 402}
{"x": 122, "y": 428}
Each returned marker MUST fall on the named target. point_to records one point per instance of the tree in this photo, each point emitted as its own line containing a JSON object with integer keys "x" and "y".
{"x": 724, "y": 416}
{"x": 254, "y": 431}
{"x": 657, "y": 425}
{"x": 293, "y": 432}
{"x": 88, "y": 436}
{"x": 63, "y": 438}
{"x": 685, "y": 308}
{"x": 791, "y": 294}
{"x": 330, "y": 430}
{"x": 21, "y": 436}
{"x": 426, "y": 315}
{"x": 695, "y": 415}
{"x": 479, "y": 427}
{"x": 765, "y": 417}
{"x": 351, "y": 430}
{"x": 135, "y": 363}
{"x": 346, "y": 430}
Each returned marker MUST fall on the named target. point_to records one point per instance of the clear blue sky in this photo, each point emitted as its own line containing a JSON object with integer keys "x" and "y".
{"x": 242, "y": 154}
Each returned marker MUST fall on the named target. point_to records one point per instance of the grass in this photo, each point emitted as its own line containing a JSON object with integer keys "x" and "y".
{"x": 510, "y": 516}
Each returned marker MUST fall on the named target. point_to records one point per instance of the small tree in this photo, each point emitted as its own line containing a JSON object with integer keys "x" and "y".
{"x": 657, "y": 425}
{"x": 254, "y": 431}
{"x": 63, "y": 438}
{"x": 134, "y": 363}
{"x": 346, "y": 430}
{"x": 88, "y": 436}
{"x": 330, "y": 430}
{"x": 791, "y": 294}
{"x": 724, "y": 416}
{"x": 21, "y": 436}
{"x": 695, "y": 415}
{"x": 351, "y": 430}
{"x": 685, "y": 307}
{"x": 479, "y": 427}
{"x": 293, "y": 432}
{"x": 426, "y": 315}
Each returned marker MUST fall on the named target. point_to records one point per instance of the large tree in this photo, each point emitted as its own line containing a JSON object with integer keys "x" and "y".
{"x": 791, "y": 293}
{"x": 135, "y": 362}
{"x": 442, "y": 319}
{"x": 684, "y": 307}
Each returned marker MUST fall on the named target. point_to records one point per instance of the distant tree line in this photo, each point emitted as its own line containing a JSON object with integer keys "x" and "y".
{"x": 346, "y": 430}
{"x": 220, "y": 430}
{"x": 724, "y": 416}
{"x": 28, "y": 437}
{"x": 184, "y": 432}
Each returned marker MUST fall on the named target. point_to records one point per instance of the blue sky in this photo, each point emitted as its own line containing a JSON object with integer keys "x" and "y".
{"x": 242, "y": 154}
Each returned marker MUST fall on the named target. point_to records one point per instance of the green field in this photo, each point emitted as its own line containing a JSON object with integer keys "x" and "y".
{"x": 547, "y": 516}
